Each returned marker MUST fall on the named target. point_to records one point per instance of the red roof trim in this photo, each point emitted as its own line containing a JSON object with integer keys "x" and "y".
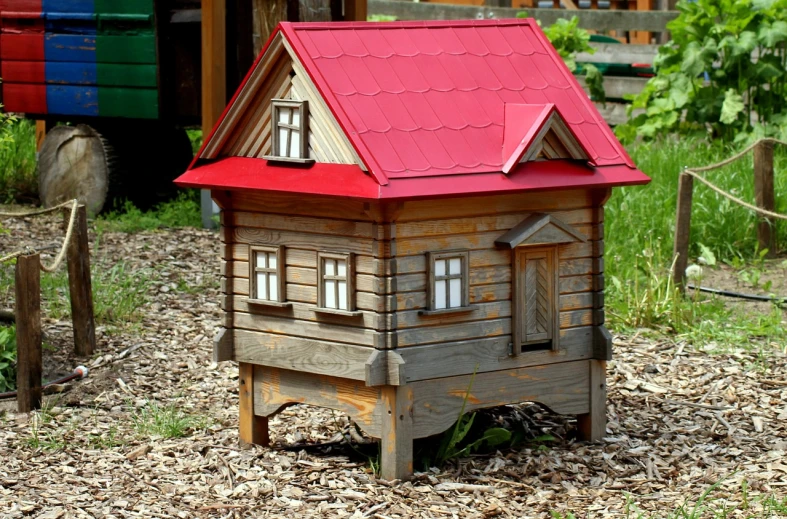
{"x": 347, "y": 180}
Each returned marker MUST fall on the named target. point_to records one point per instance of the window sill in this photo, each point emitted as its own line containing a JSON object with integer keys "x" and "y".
{"x": 294, "y": 160}
{"x": 334, "y": 311}
{"x": 456, "y": 310}
{"x": 274, "y": 304}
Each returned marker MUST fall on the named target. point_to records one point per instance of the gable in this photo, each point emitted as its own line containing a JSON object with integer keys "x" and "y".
{"x": 534, "y": 132}
{"x": 245, "y": 131}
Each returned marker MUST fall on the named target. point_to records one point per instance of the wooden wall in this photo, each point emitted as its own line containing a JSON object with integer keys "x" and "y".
{"x": 389, "y": 243}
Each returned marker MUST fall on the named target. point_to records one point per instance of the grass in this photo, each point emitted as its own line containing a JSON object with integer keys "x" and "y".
{"x": 168, "y": 421}
{"x": 739, "y": 504}
{"x": 183, "y": 211}
{"x": 18, "y": 158}
{"x": 639, "y": 226}
{"x": 118, "y": 291}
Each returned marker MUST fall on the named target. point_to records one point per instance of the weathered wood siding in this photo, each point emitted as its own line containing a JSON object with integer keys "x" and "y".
{"x": 389, "y": 245}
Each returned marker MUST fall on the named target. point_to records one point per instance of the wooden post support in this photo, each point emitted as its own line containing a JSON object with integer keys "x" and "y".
{"x": 214, "y": 69}
{"x": 80, "y": 286}
{"x": 763, "y": 194}
{"x": 593, "y": 425}
{"x": 28, "y": 332}
{"x": 396, "y": 460}
{"x": 41, "y": 129}
{"x": 253, "y": 429}
{"x": 355, "y": 10}
{"x": 682, "y": 230}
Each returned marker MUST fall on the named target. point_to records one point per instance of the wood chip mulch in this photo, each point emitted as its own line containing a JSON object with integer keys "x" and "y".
{"x": 680, "y": 420}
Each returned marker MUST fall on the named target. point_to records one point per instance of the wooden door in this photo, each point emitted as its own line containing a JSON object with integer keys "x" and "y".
{"x": 536, "y": 293}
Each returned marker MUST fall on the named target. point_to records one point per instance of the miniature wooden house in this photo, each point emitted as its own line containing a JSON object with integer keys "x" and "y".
{"x": 405, "y": 204}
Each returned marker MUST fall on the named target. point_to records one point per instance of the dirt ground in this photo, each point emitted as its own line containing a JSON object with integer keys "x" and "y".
{"x": 679, "y": 420}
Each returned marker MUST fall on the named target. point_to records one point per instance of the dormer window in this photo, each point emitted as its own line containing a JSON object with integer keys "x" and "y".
{"x": 289, "y": 131}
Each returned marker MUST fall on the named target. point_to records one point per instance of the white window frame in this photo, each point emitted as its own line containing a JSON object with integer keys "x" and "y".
{"x": 266, "y": 271}
{"x": 446, "y": 276}
{"x": 301, "y": 154}
{"x": 323, "y": 278}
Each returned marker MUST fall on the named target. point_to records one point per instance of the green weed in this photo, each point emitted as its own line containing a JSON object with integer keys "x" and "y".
{"x": 18, "y": 180}
{"x": 7, "y": 358}
{"x": 107, "y": 440}
{"x": 184, "y": 211}
{"x": 168, "y": 421}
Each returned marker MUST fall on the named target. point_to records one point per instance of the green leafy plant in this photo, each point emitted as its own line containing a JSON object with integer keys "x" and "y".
{"x": 569, "y": 40}
{"x": 706, "y": 79}
{"x": 450, "y": 443}
{"x": 7, "y": 359}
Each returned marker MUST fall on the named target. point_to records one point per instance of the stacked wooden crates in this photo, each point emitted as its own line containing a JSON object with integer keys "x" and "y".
{"x": 79, "y": 57}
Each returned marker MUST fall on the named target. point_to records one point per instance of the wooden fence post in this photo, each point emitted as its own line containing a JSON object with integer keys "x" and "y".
{"x": 763, "y": 195}
{"x": 80, "y": 286}
{"x": 682, "y": 230}
{"x": 28, "y": 332}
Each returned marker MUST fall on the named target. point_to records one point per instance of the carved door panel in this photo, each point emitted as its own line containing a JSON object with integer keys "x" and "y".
{"x": 537, "y": 297}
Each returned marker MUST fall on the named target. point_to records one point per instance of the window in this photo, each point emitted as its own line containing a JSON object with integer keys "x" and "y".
{"x": 536, "y": 299}
{"x": 289, "y": 131}
{"x": 266, "y": 274}
{"x": 335, "y": 282}
{"x": 449, "y": 286}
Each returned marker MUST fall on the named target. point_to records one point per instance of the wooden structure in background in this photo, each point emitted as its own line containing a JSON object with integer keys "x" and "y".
{"x": 391, "y": 245}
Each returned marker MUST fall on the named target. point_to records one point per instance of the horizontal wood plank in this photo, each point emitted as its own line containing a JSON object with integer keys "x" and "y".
{"x": 305, "y": 312}
{"x": 453, "y": 332}
{"x": 490, "y": 354}
{"x": 562, "y": 387}
{"x": 293, "y": 204}
{"x": 308, "y": 241}
{"x": 276, "y": 388}
{"x": 296, "y": 353}
{"x": 332, "y": 226}
{"x": 307, "y": 329}
{"x": 497, "y": 222}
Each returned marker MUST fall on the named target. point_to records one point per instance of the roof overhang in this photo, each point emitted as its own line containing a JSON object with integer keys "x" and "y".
{"x": 348, "y": 180}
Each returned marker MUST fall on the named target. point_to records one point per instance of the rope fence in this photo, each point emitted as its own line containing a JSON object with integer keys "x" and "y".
{"x": 759, "y": 210}
{"x": 764, "y": 195}
{"x": 29, "y": 250}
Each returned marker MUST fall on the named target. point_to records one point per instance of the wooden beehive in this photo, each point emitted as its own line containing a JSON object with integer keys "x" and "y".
{"x": 403, "y": 205}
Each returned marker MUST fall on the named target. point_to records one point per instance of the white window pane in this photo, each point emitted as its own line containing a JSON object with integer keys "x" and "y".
{"x": 439, "y": 268}
{"x": 454, "y": 266}
{"x": 296, "y": 117}
{"x": 342, "y": 268}
{"x": 260, "y": 259}
{"x": 456, "y": 293}
{"x": 262, "y": 291}
{"x": 330, "y": 267}
{"x": 272, "y": 260}
{"x": 283, "y": 142}
{"x": 439, "y": 294}
{"x": 342, "y": 295}
{"x": 295, "y": 144}
{"x": 284, "y": 115}
{"x": 330, "y": 294}
{"x": 274, "y": 279}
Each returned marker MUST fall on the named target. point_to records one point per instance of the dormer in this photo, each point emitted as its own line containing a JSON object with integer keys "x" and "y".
{"x": 537, "y": 132}
{"x": 289, "y": 131}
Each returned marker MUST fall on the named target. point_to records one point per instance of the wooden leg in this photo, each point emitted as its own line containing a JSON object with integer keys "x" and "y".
{"x": 593, "y": 425}
{"x": 253, "y": 429}
{"x": 79, "y": 286}
{"x": 397, "y": 433}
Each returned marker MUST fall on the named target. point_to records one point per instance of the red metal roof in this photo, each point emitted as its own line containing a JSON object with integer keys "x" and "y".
{"x": 420, "y": 100}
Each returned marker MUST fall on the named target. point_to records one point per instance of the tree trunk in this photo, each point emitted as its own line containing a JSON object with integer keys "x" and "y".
{"x": 73, "y": 164}
{"x": 135, "y": 161}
